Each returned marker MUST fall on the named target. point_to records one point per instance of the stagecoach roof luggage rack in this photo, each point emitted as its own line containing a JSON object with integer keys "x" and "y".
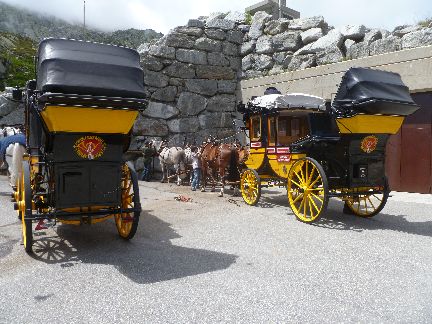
{"x": 369, "y": 91}
{"x": 85, "y": 68}
{"x": 74, "y": 100}
{"x": 289, "y": 101}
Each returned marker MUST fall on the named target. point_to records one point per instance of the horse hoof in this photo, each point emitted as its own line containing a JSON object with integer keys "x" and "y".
{"x": 220, "y": 195}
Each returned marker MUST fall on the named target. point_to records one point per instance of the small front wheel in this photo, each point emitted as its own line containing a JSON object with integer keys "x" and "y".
{"x": 307, "y": 190}
{"x": 250, "y": 186}
{"x": 362, "y": 204}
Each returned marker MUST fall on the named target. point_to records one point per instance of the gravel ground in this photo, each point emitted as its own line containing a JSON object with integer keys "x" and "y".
{"x": 219, "y": 260}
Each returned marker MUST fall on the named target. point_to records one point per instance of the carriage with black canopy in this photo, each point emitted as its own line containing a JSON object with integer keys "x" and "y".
{"x": 320, "y": 150}
{"x": 79, "y": 113}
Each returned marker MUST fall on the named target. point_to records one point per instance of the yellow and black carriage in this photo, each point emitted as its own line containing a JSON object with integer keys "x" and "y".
{"x": 79, "y": 113}
{"x": 319, "y": 151}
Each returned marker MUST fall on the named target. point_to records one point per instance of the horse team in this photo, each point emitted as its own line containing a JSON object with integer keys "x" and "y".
{"x": 221, "y": 163}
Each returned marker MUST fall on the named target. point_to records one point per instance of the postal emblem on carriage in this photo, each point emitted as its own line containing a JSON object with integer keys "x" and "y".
{"x": 90, "y": 147}
{"x": 369, "y": 144}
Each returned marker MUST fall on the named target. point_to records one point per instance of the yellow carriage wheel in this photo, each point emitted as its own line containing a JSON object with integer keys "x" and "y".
{"x": 362, "y": 204}
{"x": 25, "y": 207}
{"x": 307, "y": 190}
{"x": 127, "y": 222}
{"x": 250, "y": 186}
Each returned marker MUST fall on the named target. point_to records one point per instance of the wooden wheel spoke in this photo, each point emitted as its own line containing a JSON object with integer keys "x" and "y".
{"x": 297, "y": 184}
{"x": 300, "y": 195}
{"x": 313, "y": 203}
{"x": 317, "y": 197}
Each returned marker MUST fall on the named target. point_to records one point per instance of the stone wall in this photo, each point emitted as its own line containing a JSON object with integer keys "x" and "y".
{"x": 191, "y": 76}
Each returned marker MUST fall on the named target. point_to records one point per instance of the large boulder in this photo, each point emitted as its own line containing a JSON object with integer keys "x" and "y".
{"x": 282, "y": 59}
{"x": 372, "y": 36}
{"x": 223, "y": 24}
{"x": 274, "y": 27}
{"x": 401, "y": 31}
{"x": 311, "y": 35}
{"x": 178, "y": 40}
{"x": 155, "y": 79}
{"x": 235, "y": 36}
{"x": 288, "y": 41}
{"x": 180, "y": 70}
{"x": 202, "y": 86}
{"x": 418, "y": 38}
{"x": 7, "y": 105}
{"x": 264, "y": 45}
{"x": 248, "y": 61}
{"x": 215, "y": 34}
{"x": 331, "y": 55}
{"x": 358, "y": 50}
{"x": 236, "y": 16}
{"x": 300, "y": 62}
{"x": 162, "y": 51}
{"x": 192, "y": 31}
{"x": 191, "y": 56}
{"x": 167, "y": 94}
{"x": 308, "y": 23}
{"x": 247, "y": 47}
{"x": 354, "y": 32}
{"x": 386, "y": 45}
{"x": 263, "y": 62}
{"x": 191, "y": 104}
{"x": 258, "y": 22}
{"x": 333, "y": 39}
{"x": 160, "y": 110}
{"x": 208, "y": 44}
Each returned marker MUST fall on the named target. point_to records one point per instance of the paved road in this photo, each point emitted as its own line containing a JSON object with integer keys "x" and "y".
{"x": 218, "y": 260}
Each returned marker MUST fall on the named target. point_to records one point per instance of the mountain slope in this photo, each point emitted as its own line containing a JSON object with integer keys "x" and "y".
{"x": 37, "y": 27}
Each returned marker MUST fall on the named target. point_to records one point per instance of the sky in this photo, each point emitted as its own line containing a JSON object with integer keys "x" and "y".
{"x": 163, "y": 15}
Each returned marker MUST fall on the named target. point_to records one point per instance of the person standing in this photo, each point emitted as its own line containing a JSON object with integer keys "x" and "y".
{"x": 196, "y": 168}
{"x": 149, "y": 152}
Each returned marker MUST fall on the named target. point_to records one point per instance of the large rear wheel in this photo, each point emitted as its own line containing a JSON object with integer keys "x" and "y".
{"x": 25, "y": 207}
{"x": 307, "y": 190}
{"x": 250, "y": 186}
{"x": 127, "y": 222}
{"x": 362, "y": 204}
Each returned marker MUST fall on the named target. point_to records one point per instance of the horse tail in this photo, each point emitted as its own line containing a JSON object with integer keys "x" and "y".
{"x": 16, "y": 168}
{"x": 233, "y": 171}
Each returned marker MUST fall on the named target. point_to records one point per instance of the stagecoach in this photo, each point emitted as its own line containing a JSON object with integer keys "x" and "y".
{"x": 79, "y": 113}
{"x": 319, "y": 151}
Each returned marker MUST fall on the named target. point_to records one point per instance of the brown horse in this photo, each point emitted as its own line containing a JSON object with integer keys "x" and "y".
{"x": 219, "y": 163}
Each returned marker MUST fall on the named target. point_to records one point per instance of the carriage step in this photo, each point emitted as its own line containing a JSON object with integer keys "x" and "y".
{"x": 41, "y": 225}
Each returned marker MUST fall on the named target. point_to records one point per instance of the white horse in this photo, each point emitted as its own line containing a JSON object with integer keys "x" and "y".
{"x": 171, "y": 157}
{"x": 13, "y": 151}
{"x": 14, "y": 158}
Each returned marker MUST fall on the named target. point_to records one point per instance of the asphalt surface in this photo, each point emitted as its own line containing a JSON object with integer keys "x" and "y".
{"x": 219, "y": 260}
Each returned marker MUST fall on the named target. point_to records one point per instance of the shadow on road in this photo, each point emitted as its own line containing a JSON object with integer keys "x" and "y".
{"x": 149, "y": 257}
{"x": 335, "y": 219}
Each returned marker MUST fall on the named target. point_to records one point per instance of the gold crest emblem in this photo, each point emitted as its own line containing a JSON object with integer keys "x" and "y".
{"x": 369, "y": 143}
{"x": 90, "y": 147}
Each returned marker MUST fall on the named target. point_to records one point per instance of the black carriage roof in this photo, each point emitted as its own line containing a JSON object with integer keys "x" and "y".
{"x": 364, "y": 90}
{"x": 290, "y": 101}
{"x": 85, "y": 68}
